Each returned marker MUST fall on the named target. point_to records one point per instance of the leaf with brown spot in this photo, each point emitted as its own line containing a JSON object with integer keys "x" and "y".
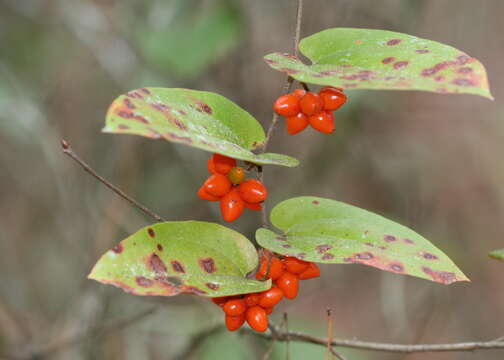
{"x": 497, "y": 254}
{"x": 335, "y": 232}
{"x": 200, "y": 119}
{"x": 379, "y": 59}
{"x": 171, "y": 263}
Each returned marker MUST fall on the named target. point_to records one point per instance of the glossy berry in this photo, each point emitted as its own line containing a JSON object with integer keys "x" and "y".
{"x": 311, "y": 104}
{"x": 223, "y": 164}
{"x": 295, "y": 265}
{"x": 232, "y": 206}
{"x": 271, "y": 297}
{"x": 206, "y": 196}
{"x": 269, "y": 310}
{"x": 235, "y": 307}
{"x": 217, "y": 185}
{"x": 236, "y": 175}
{"x": 276, "y": 268}
{"x": 252, "y": 299}
{"x": 297, "y": 123}
{"x": 220, "y": 300}
{"x": 255, "y": 207}
{"x": 233, "y": 323}
{"x": 287, "y": 105}
{"x": 313, "y": 271}
{"x": 299, "y": 93}
{"x": 333, "y": 98}
{"x": 257, "y": 318}
{"x": 253, "y": 191}
{"x": 289, "y": 284}
{"x": 211, "y": 166}
{"x": 323, "y": 122}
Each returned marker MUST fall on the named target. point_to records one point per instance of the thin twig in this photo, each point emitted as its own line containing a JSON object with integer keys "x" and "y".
{"x": 67, "y": 150}
{"x": 286, "y": 323}
{"x": 330, "y": 335}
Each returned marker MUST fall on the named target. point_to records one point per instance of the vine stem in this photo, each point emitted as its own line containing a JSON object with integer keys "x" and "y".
{"x": 67, "y": 150}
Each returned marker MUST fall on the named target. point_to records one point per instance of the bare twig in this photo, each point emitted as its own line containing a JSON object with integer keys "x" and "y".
{"x": 286, "y": 323}
{"x": 67, "y": 150}
{"x": 330, "y": 334}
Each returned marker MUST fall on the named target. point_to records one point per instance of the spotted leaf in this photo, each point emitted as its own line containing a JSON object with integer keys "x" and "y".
{"x": 172, "y": 258}
{"x": 497, "y": 254}
{"x": 200, "y": 119}
{"x": 328, "y": 231}
{"x": 378, "y": 59}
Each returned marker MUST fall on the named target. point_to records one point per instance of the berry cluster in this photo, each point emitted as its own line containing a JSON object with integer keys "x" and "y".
{"x": 228, "y": 185}
{"x": 255, "y": 307}
{"x": 302, "y": 108}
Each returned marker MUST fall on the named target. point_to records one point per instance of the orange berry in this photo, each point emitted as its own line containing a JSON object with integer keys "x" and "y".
{"x": 269, "y": 310}
{"x": 271, "y": 297}
{"x": 276, "y": 268}
{"x": 311, "y": 104}
{"x": 217, "y": 185}
{"x": 257, "y": 318}
{"x": 220, "y": 300}
{"x": 295, "y": 265}
{"x": 323, "y": 122}
{"x": 255, "y": 207}
{"x": 233, "y": 323}
{"x": 223, "y": 164}
{"x": 299, "y": 93}
{"x": 252, "y": 299}
{"x": 313, "y": 271}
{"x": 297, "y": 123}
{"x": 289, "y": 284}
{"x": 232, "y": 205}
{"x": 206, "y": 196}
{"x": 253, "y": 191}
{"x": 287, "y": 105}
{"x": 235, "y": 307}
{"x": 236, "y": 175}
{"x": 333, "y": 98}
{"x": 211, "y": 166}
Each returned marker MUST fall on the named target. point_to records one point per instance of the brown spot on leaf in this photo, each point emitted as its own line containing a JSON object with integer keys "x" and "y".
{"x": 439, "y": 78}
{"x": 422, "y": 51}
{"x": 463, "y": 59}
{"x": 389, "y": 238}
{"x": 465, "y": 70}
{"x": 123, "y": 127}
{"x": 176, "y": 137}
{"x": 443, "y": 277}
{"x": 323, "y": 248}
{"x": 388, "y": 60}
{"x": 270, "y": 61}
{"x": 409, "y": 241}
{"x": 145, "y": 91}
{"x": 134, "y": 95}
{"x": 401, "y": 65}
{"x": 143, "y": 281}
{"x": 156, "y": 264}
{"x": 212, "y": 286}
{"x": 393, "y": 42}
{"x": 464, "y": 82}
{"x": 140, "y": 118}
{"x": 193, "y": 290}
{"x": 118, "y": 248}
{"x": 177, "y": 266}
{"x": 369, "y": 244}
{"x": 281, "y": 238}
{"x": 286, "y": 246}
{"x": 396, "y": 267}
{"x": 208, "y": 265}
{"x": 125, "y": 114}
{"x": 289, "y": 71}
{"x": 151, "y": 232}
{"x": 160, "y": 247}
{"x": 315, "y": 202}
{"x": 364, "y": 256}
{"x": 327, "y": 256}
{"x": 429, "y": 256}
{"x": 128, "y": 103}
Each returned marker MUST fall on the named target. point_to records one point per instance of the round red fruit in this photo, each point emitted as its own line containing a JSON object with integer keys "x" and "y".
{"x": 311, "y": 104}
{"x": 276, "y": 268}
{"x": 313, "y": 271}
{"x": 211, "y": 166}
{"x": 236, "y": 175}
{"x": 299, "y": 93}
{"x": 271, "y": 297}
{"x": 253, "y": 191}
{"x": 220, "y": 300}
{"x": 257, "y": 318}
{"x": 217, "y": 185}
{"x": 223, "y": 164}
{"x": 333, "y": 98}
{"x": 206, "y": 196}
{"x": 232, "y": 206}
{"x": 297, "y": 123}
{"x": 233, "y": 323}
{"x": 295, "y": 265}
{"x": 235, "y": 307}
{"x": 252, "y": 299}
{"x": 255, "y": 207}
{"x": 323, "y": 122}
{"x": 287, "y": 105}
{"x": 269, "y": 310}
{"x": 289, "y": 284}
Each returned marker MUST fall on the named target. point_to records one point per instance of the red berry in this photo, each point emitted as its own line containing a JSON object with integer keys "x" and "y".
{"x": 253, "y": 191}
{"x": 313, "y": 271}
{"x": 271, "y": 297}
{"x": 217, "y": 185}
{"x": 235, "y": 322}
{"x": 206, "y": 196}
{"x": 297, "y": 123}
{"x": 235, "y": 307}
{"x": 269, "y": 310}
{"x": 299, "y": 93}
{"x": 223, "y": 164}
{"x": 323, "y": 122}
{"x": 332, "y": 97}
{"x": 220, "y": 300}
{"x": 295, "y": 265}
{"x": 257, "y": 318}
{"x": 232, "y": 205}
{"x": 211, "y": 166}
{"x": 236, "y": 175}
{"x": 289, "y": 284}
{"x": 252, "y": 299}
{"x": 311, "y": 104}
{"x": 287, "y": 105}
{"x": 255, "y": 207}
{"x": 276, "y": 268}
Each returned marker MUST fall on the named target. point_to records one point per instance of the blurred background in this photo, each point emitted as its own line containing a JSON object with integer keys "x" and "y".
{"x": 432, "y": 162}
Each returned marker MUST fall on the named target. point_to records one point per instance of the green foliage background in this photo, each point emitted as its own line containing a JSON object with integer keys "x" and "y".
{"x": 429, "y": 161}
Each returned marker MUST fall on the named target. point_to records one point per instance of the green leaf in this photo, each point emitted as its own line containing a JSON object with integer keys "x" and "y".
{"x": 200, "y": 119}
{"x": 378, "y": 59}
{"x": 497, "y": 254}
{"x": 172, "y": 258}
{"x": 328, "y": 231}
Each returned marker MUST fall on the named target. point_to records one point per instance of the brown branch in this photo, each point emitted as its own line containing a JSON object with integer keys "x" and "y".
{"x": 330, "y": 336}
{"x": 67, "y": 150}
